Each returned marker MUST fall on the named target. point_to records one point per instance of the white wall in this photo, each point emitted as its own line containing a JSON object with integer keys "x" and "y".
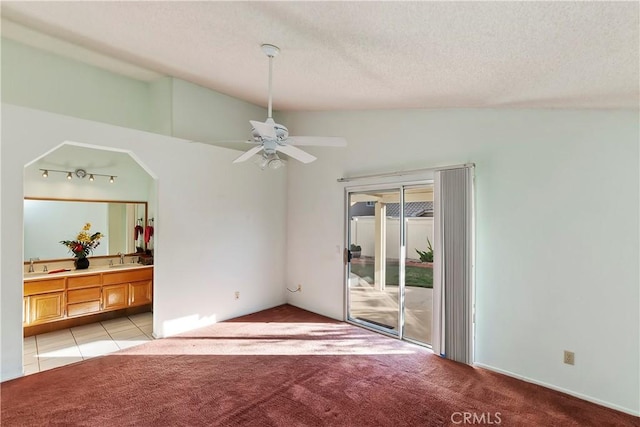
{"x": 201, "y": 114}
{"x": 219, "y": 226}
{"x": 34, "y": 78}
{"x": 557, "y": 199}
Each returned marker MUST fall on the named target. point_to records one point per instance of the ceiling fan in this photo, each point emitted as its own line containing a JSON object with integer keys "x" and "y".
{"x": 272, "y": 137}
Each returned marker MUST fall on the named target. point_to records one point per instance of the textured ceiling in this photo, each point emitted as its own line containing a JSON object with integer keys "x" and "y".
{"x": 364, "y": 55}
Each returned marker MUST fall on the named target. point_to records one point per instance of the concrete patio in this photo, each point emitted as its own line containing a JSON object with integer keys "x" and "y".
{"x": 381, "y": 307}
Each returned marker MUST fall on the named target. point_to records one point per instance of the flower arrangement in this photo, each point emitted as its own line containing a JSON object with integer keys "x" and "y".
{"x": 84, "y": 244}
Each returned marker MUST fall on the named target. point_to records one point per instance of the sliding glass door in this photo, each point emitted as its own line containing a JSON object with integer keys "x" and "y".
{"x": 389, "y": 260}
{"x": 418, "y": 285}
{"x": 374, "y": 272}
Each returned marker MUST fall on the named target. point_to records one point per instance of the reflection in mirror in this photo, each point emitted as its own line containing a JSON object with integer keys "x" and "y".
{"x": 47, "y": 222}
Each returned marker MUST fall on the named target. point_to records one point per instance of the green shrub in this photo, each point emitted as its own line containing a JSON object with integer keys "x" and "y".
{"x": 426, "y": 256}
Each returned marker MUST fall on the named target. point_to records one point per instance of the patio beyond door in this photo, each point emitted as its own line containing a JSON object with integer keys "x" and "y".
{"x": 390, "y": 275}
{"x": 374, "y": 270}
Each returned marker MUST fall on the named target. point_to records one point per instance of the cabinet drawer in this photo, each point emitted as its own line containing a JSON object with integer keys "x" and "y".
{"x": 127, "y": 276}
{"x": 82, "y": 295}
{"x": 43, "y": 286}
{"x": 82, "y": 308}
{"x": 83, "y": 281}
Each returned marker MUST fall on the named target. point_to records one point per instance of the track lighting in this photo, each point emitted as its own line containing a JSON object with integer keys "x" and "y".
{"x": 80, "y": 173}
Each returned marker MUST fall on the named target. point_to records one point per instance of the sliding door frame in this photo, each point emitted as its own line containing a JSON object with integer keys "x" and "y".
{"x": 399, "y": 186}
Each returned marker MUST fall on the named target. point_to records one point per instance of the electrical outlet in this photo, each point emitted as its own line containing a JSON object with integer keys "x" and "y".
{"x": 237, "y": 294}
{"x": 569, "y": 357}
{"x": 299, "y": 288}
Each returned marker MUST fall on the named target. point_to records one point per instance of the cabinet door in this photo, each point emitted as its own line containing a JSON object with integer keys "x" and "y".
{"x": 140, "y": 293}
{"x": 115, "y": 296}
{"x": 25, "y": 310}
{"x": 46, "y": 307}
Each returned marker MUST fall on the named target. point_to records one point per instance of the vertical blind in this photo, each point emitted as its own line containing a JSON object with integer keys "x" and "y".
{"x": 453, "y": 264}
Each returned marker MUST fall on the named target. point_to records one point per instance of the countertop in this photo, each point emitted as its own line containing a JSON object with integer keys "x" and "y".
{"x": 39, "y": 275}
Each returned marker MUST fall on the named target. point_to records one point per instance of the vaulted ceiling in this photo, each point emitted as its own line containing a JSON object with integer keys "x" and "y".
{"x": 358, "y": 55}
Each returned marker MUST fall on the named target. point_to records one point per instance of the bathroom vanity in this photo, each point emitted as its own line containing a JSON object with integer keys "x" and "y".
{"x": 72, "y": 298}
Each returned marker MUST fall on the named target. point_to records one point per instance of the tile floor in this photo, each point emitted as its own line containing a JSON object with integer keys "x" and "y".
{"x": 59, "y": 348}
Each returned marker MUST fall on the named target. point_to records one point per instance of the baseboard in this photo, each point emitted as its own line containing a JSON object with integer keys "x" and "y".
{"x": 560, "y": 389}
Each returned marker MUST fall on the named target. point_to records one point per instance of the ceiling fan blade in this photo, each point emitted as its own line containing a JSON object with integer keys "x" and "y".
{"x": 296, "y": 153}
{"x": 265, "y": 130}
{"x": 325, "y": 141}
{"x": 248, "y": 154}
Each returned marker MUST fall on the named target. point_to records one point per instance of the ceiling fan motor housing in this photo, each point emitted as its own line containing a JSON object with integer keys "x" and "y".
{"x": 282, "y": 133}
{"x": 269, "y": 146}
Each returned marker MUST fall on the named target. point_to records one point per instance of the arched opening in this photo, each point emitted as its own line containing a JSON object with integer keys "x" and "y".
{"x": 71, "y": 314}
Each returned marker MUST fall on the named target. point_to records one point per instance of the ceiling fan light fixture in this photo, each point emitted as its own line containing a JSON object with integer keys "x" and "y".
{"x": 69, "y": 176}
{"x": 275, "y": 162}
{"x": 271, "y": 161}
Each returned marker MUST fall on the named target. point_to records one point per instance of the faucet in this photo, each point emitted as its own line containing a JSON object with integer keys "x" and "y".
{"x": 121, "y": 255}
{"x": 31, "y": 269}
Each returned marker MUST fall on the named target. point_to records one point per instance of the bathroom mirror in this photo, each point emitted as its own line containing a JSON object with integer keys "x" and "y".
{"x": 48, "y": 221}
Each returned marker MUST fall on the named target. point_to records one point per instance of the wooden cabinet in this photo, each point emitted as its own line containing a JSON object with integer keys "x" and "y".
{"x": 54, "y": 299}
{"x": 84, "y": 301}
{"x": 43, "y": 286}
{"x": 88, "y": 281}
{"x": 140, "y": 293}
{"x": 84, "y": 295}
{"x": 43, "y": 300}
{"x": 25, "y": 310}
{"x": 115, "y": 297}
{"x": 134, "y": 286}
{"x": 46, "y": 307}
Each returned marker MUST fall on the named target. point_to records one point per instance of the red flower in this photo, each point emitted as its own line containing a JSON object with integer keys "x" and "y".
{"x": 78, "y": 248}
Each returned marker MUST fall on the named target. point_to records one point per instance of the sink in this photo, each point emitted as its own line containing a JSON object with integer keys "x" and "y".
{"x": 125, "y": 266}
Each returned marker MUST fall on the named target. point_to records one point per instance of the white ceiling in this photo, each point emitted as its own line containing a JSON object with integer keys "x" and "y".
{"x": 361, "y": 55}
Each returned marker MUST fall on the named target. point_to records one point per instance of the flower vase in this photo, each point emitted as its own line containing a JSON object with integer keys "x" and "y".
{"x": 82, "y": 263}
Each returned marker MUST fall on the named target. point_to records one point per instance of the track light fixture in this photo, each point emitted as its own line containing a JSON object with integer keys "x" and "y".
{"x": 80, "y": 173}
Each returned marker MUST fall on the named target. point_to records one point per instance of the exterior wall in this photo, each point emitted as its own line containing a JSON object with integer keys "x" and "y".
{"x": 417, "y": 231}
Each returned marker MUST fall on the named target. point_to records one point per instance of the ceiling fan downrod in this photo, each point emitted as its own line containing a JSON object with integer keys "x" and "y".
{"x": 271, "y": 51}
